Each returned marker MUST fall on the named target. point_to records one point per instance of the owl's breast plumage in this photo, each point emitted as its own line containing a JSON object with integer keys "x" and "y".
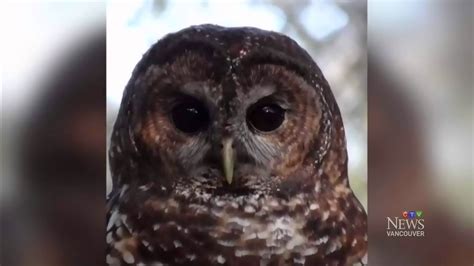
{"x": 199, "y": 228}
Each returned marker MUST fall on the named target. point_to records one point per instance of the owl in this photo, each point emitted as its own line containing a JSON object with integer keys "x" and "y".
{"x": 229, "y": 149}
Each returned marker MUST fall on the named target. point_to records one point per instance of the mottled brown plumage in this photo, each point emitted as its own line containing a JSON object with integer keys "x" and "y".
{"x": 229, "y": 149}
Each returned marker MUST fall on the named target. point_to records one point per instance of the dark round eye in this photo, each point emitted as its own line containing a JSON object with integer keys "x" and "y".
{"x": 190, "y": 116}
{"x": 266, "y": 117}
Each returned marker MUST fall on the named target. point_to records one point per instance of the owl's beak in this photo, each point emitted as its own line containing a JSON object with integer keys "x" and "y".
{"x": 228, "y": 158}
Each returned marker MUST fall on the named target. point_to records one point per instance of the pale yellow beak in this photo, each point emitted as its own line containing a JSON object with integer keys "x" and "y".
{"x": 228, "y": 159}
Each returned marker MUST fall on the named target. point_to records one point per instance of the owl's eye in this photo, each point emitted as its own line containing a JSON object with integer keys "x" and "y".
{"x": 266, "y": 117}
{"x": 190, "y": 116}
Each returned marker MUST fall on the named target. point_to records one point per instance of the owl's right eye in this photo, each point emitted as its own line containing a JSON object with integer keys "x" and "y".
{"x": 190, "y": 116}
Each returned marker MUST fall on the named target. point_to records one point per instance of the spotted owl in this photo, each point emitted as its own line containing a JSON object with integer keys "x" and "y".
{"x": 229, "y": 149}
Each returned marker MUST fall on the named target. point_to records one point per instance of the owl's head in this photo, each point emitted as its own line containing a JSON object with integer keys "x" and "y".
{"x": 230, "y": 109}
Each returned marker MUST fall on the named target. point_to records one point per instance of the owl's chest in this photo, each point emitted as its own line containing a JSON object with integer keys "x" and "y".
{"x": 241, "y": 231}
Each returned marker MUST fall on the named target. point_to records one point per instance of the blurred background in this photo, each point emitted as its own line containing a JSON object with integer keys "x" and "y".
{"x": 418, "y": 104}
{"x": 336, "y": 40}
{"x": 52, "y": 180}
{"x": 420, "y": 131}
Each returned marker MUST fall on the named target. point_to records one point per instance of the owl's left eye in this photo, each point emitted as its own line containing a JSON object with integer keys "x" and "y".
{"x": 266, "y": 117}
{"x": 190, "y": 116}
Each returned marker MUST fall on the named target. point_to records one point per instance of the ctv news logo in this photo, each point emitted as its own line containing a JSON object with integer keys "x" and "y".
{"x": 411, "y": 224}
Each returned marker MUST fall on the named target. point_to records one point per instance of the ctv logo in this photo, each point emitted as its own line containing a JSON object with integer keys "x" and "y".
{"x": 412, "y": 214}
{"x": 411, "y": 224}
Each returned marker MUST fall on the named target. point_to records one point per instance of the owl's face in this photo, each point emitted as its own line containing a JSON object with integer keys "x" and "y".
{"x": 238, "y": 125}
